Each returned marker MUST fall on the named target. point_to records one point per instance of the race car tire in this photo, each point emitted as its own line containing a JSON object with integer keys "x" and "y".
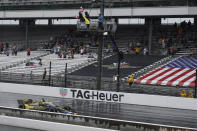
{"x": 21, "y": 106}
{"x": 67, "y": 108}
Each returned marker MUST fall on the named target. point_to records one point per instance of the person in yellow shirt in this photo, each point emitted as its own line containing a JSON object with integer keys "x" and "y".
{"x": 87, "y": 19}
{"x": 191, "y": 94}
{"x": 130, "y": 80}
{"x": 183, "y": 93}
{"x": 137, "y": 51}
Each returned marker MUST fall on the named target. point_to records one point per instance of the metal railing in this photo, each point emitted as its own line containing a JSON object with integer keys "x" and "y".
{"x": 23, "y": 44}
{"x": 81, "y": 82}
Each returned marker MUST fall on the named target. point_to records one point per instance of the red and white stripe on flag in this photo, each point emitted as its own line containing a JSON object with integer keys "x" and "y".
{"x": 170, "y": 76}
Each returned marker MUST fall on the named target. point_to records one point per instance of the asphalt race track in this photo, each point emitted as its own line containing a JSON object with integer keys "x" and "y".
{"x": 156, "y": 115}
{"x": 11, "y": 128}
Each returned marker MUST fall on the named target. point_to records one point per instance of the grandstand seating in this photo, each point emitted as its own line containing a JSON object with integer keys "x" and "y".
{"x": 58, "y": 65}
{"x": 12, "y": 61}
{"x": 125, "y": 35}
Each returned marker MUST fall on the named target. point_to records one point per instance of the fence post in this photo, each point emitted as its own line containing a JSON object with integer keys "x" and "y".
{"x": 50, "y": 74}
{"x": 65, "y": 76}
{"x": 195, "y": 85}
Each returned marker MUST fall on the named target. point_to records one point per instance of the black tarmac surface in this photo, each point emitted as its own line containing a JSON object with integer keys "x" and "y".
{"x": 136, "y": 62}
{"x": 156, "y": 115}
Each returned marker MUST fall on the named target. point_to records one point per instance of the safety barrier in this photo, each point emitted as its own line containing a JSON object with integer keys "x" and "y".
{"x": 88, "y": 120}
{"x": 104, "y": 96}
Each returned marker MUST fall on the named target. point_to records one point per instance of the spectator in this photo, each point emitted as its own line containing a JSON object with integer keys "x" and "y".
{"x": 30, "y": 63}
{"x": 28, "y": 52}
{"x": 160, "y": 41}
{"x": 171, "y": 51}
{"x": 2, "y": 47}
{"x": 7, "y": 53}
{"x": 81, "y": 18}
{"x": 189, "y": 24}
{"x": 175, "y": 25}
{"x": 87, "y": 15}
{"x": 64, "y": 54}
{"x": 82, "y": 51}
{"x": 87, "y": 19}
{"x": 145, "y": 51}
{"x": 40, "y": 62}
{"x": 138, "y": 44}
{"x": 163, "y": 43}
{"x": 90, "y": 55}
{"x": 44, "y": 74}
{"x": 191, "y": 95}
{"x": 137, "y": 51}
{"x": 7, "y": 46}
{"x": 132, "y": 49}
{"x": 101, "y": 19}
{"x": 14, "y": 50}
{"x": 130, "y": 80}
{"x": 112, "y": 46}
{"x": 55, "y": 49}
{"x": 31, "y": 75}
{"x": 191, "y": 53}
{"x": 183, "y": 93}
{"x": 81, "y": 9}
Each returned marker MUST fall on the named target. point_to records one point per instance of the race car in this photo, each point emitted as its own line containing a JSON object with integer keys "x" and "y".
{"x": 43, "y": 105}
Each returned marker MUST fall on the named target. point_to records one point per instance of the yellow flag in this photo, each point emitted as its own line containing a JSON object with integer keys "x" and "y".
{"x": 86, "y": 20}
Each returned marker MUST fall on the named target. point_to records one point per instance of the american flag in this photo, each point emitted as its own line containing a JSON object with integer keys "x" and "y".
{"x": 180, "y": 72}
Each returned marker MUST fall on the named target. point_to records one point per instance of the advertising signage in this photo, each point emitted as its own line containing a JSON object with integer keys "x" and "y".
{"x": 91, "y": 95}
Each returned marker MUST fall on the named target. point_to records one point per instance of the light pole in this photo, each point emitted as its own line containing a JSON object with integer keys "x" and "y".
{"x": 50, "y": 74}
{"x": 120, "y": 57}
{"x": 100, "y": 51}
{"x": 26, "y": 32}
{"x": 195, "y": 85}
{"x": 65, "y": 76}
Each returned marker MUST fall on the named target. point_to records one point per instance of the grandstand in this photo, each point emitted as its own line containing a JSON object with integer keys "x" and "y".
{"x": 58, "y": 64}
{"x": 122, "y": 61}
{"x": 13, "y": 61}
{"x": 141, "y": 24}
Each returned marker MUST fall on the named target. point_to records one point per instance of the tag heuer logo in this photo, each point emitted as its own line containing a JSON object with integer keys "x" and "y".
{"x": 63, "y": 92}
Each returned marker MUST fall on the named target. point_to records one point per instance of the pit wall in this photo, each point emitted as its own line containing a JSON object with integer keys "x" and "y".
{"x": 105, "y": 96}
{"x": 45, "y": 121}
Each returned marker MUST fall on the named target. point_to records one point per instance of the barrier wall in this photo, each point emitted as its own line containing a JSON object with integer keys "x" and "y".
{"x": 44, "y": 125}
{"x": 96, "y": 122}
{"x": 119, "y": 97}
